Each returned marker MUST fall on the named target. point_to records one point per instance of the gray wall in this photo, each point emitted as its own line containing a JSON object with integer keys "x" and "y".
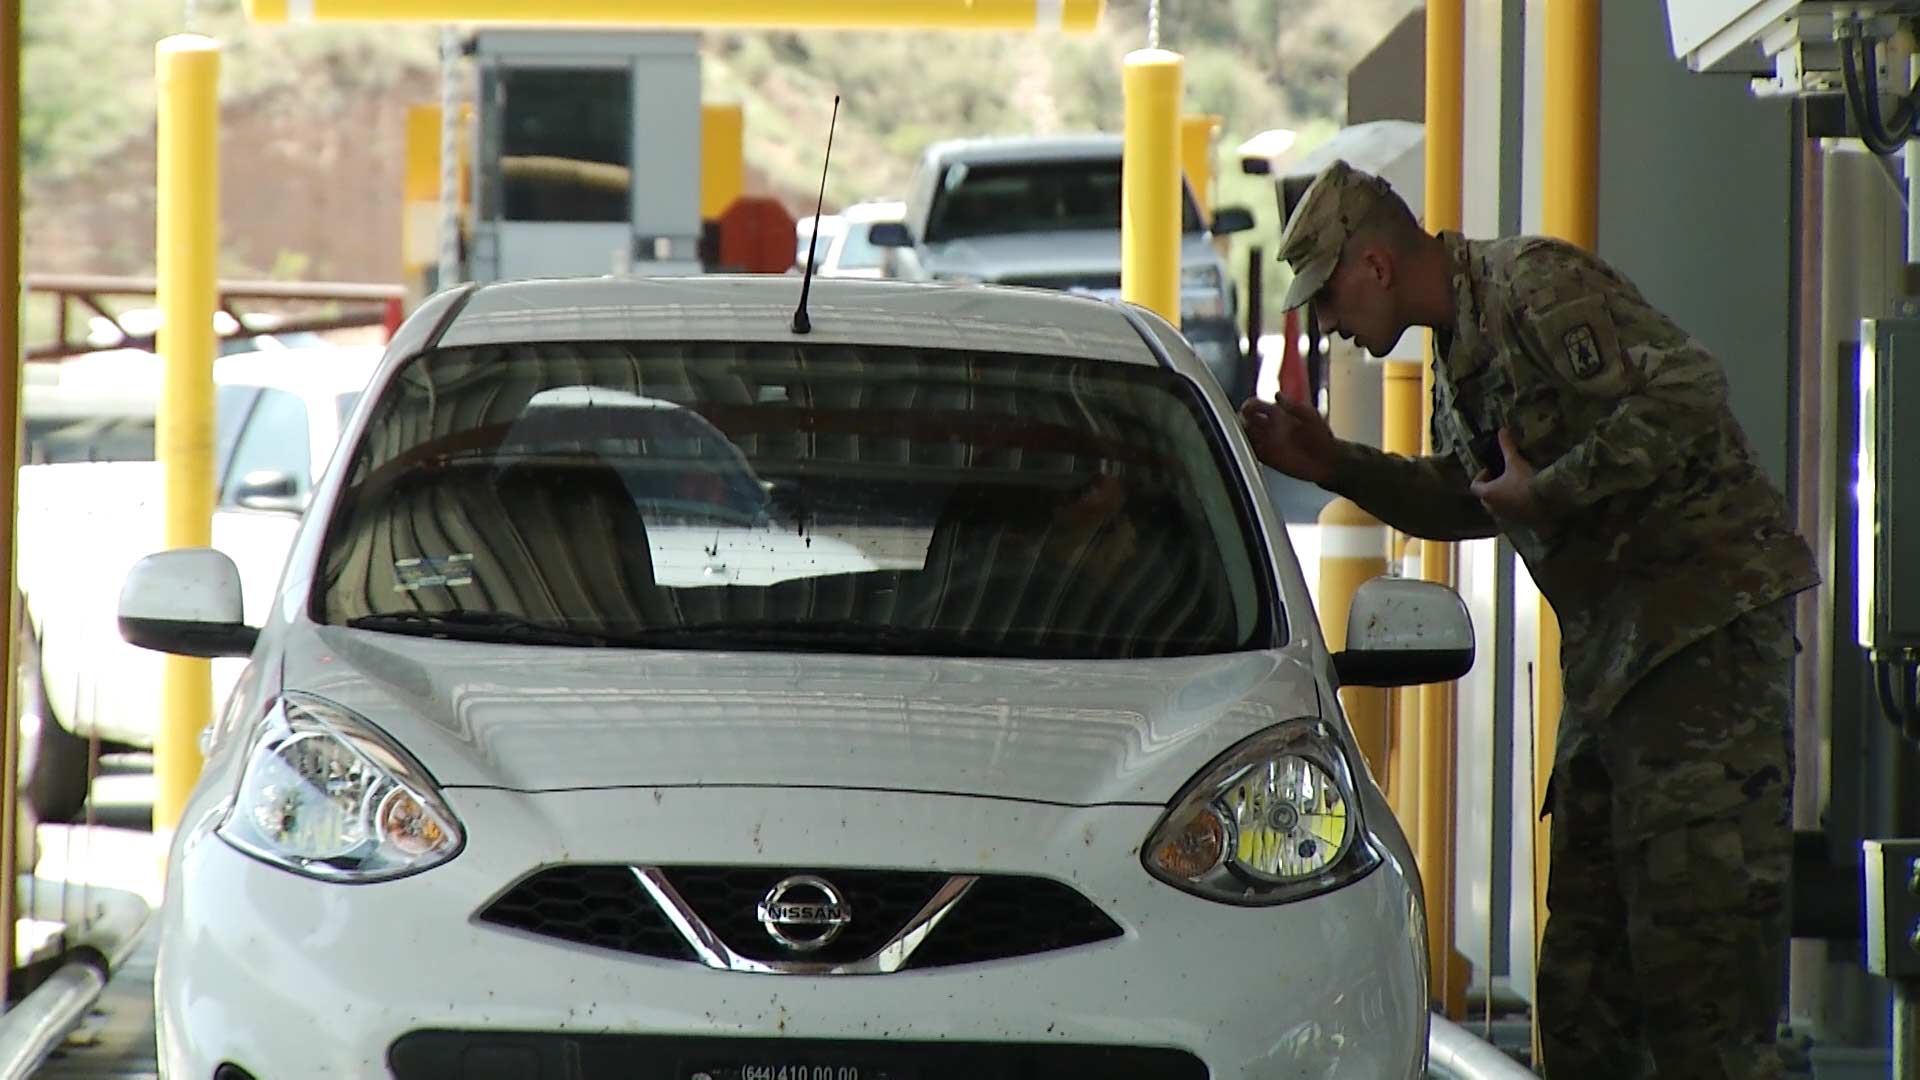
{"x": 1695, "y": 206}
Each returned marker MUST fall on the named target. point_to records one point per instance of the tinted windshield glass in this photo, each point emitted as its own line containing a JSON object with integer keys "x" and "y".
{"x": 1031, "y": 196}
{"x": 835, "y": 497}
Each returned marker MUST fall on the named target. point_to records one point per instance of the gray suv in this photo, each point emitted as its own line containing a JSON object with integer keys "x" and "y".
{"x": 1044, "y": 211}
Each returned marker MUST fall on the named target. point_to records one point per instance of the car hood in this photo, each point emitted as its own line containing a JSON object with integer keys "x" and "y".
{"x": 545, "y": 718}
{"x": 1024, "y": 256}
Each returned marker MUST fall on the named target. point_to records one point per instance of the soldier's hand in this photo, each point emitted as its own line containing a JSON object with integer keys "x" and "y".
{"x": 1291, "y": 437}
{"x": 1508, "y": 497}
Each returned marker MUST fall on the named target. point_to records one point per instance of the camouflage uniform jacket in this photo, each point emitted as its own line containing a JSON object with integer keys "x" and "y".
{"x": 1659, "y": 526}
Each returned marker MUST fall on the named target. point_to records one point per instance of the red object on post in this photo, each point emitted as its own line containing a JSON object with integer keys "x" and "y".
{"x": 391, "y": 318}
{"x": 756, "y": 236}
{"x": 1293, "y": 367}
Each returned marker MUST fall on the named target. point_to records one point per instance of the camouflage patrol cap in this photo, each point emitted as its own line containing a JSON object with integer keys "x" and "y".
{"x": 1337, "y": 201}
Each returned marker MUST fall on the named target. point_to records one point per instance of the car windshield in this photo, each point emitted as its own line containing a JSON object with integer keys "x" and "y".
{"x": 857, "y": 250}
{"x": 975, "y": 199}
{"x": 777, "y": 496}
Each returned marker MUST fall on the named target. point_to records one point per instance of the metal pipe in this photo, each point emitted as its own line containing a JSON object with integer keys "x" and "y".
{"x": 1571, "y": 211}
{"x": 1077, "y": 16}
{"x": 1150, "y": 182}
{"x": 1455, "y": 1053}
{"x": 1913, "y": 188}
{"x": 38, "y": 1023}
{"x": 188, "y": 217}
{"x": 448, "y": 274}
{"x": 1439, "y": 749}
{"x": 10, "y": 84}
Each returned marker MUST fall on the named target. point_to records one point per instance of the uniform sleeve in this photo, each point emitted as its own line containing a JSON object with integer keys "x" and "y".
{"x": 1594, "y": 335}
{"x": 1425, "y": 497}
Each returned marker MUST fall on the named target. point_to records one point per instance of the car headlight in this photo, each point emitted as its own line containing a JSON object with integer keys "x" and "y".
{"x": 327, "y": 795}
{"x": 1273, "y": 820}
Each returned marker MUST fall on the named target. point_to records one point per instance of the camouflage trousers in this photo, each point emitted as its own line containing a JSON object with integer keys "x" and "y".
{"x": 1665, "y": 947}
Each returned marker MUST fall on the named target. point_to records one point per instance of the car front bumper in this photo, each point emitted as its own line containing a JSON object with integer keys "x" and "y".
{"x": 282, "y": 975}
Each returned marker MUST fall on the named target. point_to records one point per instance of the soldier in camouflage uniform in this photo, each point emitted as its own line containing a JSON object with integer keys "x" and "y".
{"x": 1576, "y": 420}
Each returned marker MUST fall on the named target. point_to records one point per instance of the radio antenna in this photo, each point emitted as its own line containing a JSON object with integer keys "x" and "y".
{"x": 801, "y": 323}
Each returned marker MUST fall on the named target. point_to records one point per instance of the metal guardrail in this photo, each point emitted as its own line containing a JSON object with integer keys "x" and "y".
{"x": 1454, "y": 1053}
{"x": 40, "y": 1022}
{"x": 380, "y": 305}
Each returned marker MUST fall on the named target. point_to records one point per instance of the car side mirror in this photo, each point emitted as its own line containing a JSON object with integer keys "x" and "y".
{"x": 889, "y": 234}
{"x": 1232, "y": 219}
{"x": 186, "y": 602}
{"x": 270, "y": 489}
{"x": 1402, "y": 632}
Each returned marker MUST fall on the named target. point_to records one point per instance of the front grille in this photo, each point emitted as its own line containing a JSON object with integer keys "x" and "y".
{"x": 1000, "y": 917}
{"x": 727, "y": 899}
{"x": 591, "y": 905}
{"x": 485, "y": 1055}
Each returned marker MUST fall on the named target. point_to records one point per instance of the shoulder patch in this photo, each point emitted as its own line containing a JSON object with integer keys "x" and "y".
{"x": 1583, "y": 351}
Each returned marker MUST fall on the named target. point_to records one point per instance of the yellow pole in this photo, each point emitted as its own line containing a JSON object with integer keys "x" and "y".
{"x": 1571, "y": 211}
{"x": 187, "y": 211}
{"x": 1150, "y": 182}
{"x": 1400, "y": 399}
{"x": 420, "y": 193}
{"x": 1446, "y": 107}
{"x": 723, "y": 163}
{"x": 1353, "y": 551}
{"x": 1076, "y": 16}
{"x": 1404, "y": 773}
{"x": 1197, "y": 133}
{"x": 10, "y": 824}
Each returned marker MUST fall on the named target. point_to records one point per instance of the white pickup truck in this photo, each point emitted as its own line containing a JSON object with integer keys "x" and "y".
{"x": 90, "y": 497}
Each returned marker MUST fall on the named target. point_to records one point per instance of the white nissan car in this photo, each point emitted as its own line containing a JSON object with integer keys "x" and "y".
{"x": 655, "y": 691}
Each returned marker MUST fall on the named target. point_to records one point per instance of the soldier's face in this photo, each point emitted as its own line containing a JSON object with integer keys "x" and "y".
{"x": 1357, "y": 301}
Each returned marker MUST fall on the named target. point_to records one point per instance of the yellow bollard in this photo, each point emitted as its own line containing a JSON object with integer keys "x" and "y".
{"x": 723, "y": 166}
{"x": 420, "y": 193}
{"x": 187, "y": 211}
{"x": 1079, "y": 16}
{"x": 1197, "y": 133}
{"x": 1150, "y": 182}
{"x": 1353, "y": 551}
{"x": 1570, "y": 195}
{"x": 1400, "y": 434}
{"x": 1445, "y": 143}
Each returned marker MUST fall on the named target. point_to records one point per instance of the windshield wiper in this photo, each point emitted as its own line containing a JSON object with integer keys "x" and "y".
{"x": 468, "y": 625}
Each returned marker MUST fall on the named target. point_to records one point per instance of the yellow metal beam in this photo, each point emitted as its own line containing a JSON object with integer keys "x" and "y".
{"x": 1439, "y": 750}
{"x": 1150, "y": 182}
{"x": 1571, "y": 211}
{"x": 1076, "y": 16}
{"x": 1197, "y": 133}
{"x": 10, "y": 823}
{"x": 723, "y": 159}
{"x": 187, "y": 212}
{"x": 1353, "y": 551}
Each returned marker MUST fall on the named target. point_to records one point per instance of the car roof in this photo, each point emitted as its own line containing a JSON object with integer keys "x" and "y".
{"x": 875, "y": 210}
{"x": 1005, "y": 148}
{"x": 760, "y": 307}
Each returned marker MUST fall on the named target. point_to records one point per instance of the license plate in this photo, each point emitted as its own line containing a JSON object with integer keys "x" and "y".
{"x": 796, "y": 1071}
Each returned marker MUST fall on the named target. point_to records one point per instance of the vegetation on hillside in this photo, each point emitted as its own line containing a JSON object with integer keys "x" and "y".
{"x": 1258, "y": 64}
